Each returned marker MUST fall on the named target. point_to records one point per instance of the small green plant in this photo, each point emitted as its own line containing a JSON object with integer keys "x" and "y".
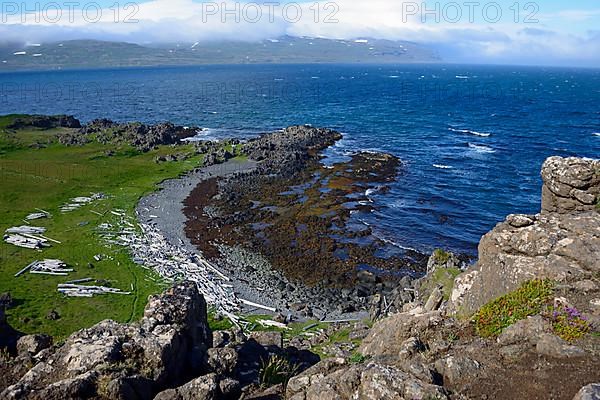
{"x": 441, "y": 256}
{"x": 453, "y": 337}
{"x": 358, "y": 358}
{"x": 5, "y": 355}
{"x": 568, "y": 323}
{"x": 501, "y": 313}
{"x": 598, "y": 205}
{"x": 276, "y": 370}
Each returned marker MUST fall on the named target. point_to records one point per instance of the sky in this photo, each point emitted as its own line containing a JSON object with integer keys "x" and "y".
{"x": 548, "y": 32}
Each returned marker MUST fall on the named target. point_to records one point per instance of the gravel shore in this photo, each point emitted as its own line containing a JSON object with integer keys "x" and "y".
{"x": 252, "y": 277}
{"x": 164, "y": 210}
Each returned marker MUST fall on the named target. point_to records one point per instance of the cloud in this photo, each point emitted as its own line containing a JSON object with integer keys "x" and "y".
{"x": 187, "y": 21}
{"x": 573, "y": 15}
{"x": 537, "y": 32}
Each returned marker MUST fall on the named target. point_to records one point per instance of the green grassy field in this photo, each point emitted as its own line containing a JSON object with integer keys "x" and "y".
{"x": 32, "y": 177}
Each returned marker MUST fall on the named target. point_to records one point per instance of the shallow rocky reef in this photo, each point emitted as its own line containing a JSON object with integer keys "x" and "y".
{"x": 296, "y": 215}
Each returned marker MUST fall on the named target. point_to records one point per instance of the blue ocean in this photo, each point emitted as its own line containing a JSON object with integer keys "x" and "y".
{"x": 472, "y": 138}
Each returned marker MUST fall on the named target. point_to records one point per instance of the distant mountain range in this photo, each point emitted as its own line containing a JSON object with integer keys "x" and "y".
{"x": 287, "y": 49}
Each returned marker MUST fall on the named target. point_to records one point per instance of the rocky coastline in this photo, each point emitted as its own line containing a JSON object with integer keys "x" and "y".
{"x": 221, "y": 223}
{"x": 522, "y": 322}
{"x": 270, "y": 215}
{"x": 425, "y": 351}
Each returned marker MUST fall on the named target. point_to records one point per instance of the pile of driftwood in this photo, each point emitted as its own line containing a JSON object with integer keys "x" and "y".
{"x": 30, "y": 237}
{"x": 78, "y": 202}
{"x": 46, "y": 267}
{"x": 78, "y": 290}
{"x": 151, "y": 250}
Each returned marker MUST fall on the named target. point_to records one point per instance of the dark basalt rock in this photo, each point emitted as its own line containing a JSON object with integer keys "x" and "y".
{"x": 141, "y": 136}
{"x": 45, "y": 122}
{"x": 287, "y": 152}
{"x": 6, "y": 300}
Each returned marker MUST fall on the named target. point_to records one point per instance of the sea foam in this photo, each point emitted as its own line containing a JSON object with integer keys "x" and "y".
{"x": 480, "y": 148}
{"x": 470, "y": 132}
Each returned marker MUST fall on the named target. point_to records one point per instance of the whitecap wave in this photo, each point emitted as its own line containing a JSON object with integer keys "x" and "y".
{"x": 441, "y": 166}
{"x": 391, "y": 242}
{"x": 470, "y": 132}
{"x": 596, "y": 134}
{"x": 372, "y": 191}
{"x": 462, "y": 77}
{"x": 481, "y": 148}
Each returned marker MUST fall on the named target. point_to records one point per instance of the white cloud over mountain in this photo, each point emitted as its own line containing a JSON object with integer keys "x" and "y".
{"x": 470, "y": 38}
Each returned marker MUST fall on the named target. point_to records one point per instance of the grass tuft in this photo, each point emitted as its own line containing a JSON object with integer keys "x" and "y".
{"x": 276, "y": 370}
{"x": 440, "y": 256}
{"x": 358, "y": 358}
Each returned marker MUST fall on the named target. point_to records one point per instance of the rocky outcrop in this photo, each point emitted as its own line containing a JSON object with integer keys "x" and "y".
{"x": 389, "y": 336}
{"x": 287, "y": 151}
{"x": 423, "y": 355}
{"x": 395, "y": 364}
{"x": 112, "y": 360}
{"x": 336, "y": 379}
{"x": 562, "y": 243}
{"x": 45, "y": 122}
{"x": 570, "y": 185}
{"x": 170, "y": 354}
{"x": 141, "y": 136}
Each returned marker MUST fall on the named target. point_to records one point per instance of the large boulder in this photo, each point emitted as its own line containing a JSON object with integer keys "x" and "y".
{"x": 334, "y": 379}
{"x": 388, "y": 336}
{"x": 589, "y": 392}
{"x": 562, "y": 243}
{"x": 525, "y": 332}
{"x": 166, "y": 348}
{"x": 203, "y": 388}
{"x": 570, "y": 184}
{"x": 32, "y": 344}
